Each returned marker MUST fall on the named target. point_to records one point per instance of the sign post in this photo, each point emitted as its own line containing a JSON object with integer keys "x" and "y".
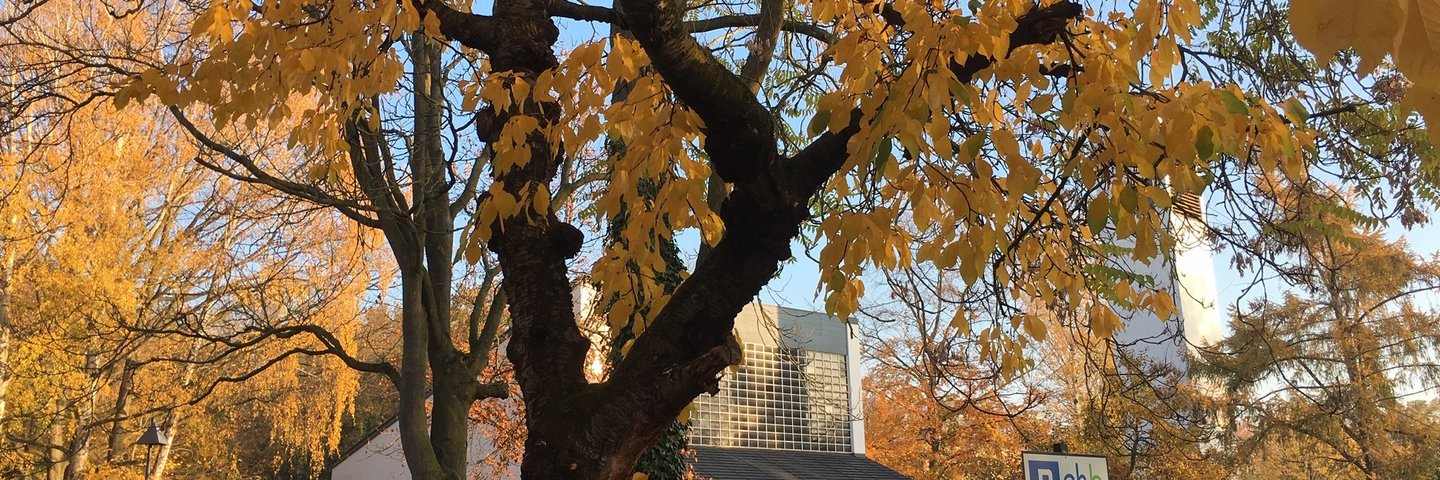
{"x": 1063, "y": 466}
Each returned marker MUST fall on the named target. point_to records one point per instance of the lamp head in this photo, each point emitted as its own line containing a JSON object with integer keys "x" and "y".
{"x": 152, "y": 436}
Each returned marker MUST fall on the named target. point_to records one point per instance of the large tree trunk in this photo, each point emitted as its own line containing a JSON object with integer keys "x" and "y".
{"x": 578, "y": 430}
{"x": 55, "y": 448}
{"x": 117, "y": 444}
{"x": 414, "y": 363}
{"x": 425, "y": 254}
{"x": 5, "y": 269}
{"x": 78, "y": 450}
{"x": 546, "y": 347}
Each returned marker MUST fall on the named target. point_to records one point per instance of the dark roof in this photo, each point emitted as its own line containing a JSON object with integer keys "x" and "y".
{"x": 755, "y": 464}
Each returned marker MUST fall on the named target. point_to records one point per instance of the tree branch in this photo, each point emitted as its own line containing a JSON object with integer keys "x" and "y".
{"x": 679, "y": 355}
{"x": 492, "y": 390}
{"x": 475, "y": 31}
{"x": 739, "y": 132}
{"x": 753, "y": 20}
{"x": 481, "y": 343}
{"x": 605, "y": 15}
{"x": 826, "y": 154}
{"x": 257, "y": 175}
{"x": 592, "y": 13}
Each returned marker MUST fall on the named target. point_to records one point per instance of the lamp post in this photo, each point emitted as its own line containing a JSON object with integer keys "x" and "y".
{"x": 152, "y": 438}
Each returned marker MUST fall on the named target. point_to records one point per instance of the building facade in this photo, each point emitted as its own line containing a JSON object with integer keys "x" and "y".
{"x": 796, "y": 390}
{"x": 791, "y": 411}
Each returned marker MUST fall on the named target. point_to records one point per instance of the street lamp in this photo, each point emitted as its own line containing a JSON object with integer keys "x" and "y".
{"x": 152, "y": 438}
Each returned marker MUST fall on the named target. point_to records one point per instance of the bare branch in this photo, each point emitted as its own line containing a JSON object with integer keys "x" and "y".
{"x": 592, "y": 13}
{"x": 257, "y": 175}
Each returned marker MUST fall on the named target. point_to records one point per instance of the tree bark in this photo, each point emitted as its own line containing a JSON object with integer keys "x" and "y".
{"x": 55, "y": 448}
{"x": 5, "y": 270}
{"x": 78, "y": 450}
{"x": 578, "y": 430}
{"x": 117, "y": 444}
{"x": 425, "y": 254}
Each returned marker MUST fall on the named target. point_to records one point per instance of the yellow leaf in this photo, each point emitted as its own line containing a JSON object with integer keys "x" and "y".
{"x": 1035, "y": 327}
{"x": 1042, "y": 103}
{"x": 520, "y": 91}
{"x": 960, "y": 322}
{"x": 1425, "y": 101}
{"x": 316, "y": 172}
{"x": 1098, "y": 213}
{"x": 219, "y": 27}
{"x": 1328, "y": 26}
{"x": 473, "y": 251}
{"x": 1163, "y": 60}
{"x": 1417, "y": 47}
{"x": 306, "y": 59}
{"x": 540, "y": 200}
{"x": 431, "y": 24}
{"x": 1005, "y": 143}
{"x": 505, "y": 204}
{"x": 1162, "y": 304}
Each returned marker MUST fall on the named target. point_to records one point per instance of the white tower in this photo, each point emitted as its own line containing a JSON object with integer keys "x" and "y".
{"x": 1188, "y": 273}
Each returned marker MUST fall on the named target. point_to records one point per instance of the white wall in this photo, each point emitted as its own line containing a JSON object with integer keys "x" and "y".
{"x": 773, "y": 325}
{"x": 378, "y": 459}
{"x": 856, "y": 374}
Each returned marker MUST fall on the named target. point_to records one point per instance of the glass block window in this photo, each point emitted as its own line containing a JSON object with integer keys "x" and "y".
{"x": 781, "y": 398}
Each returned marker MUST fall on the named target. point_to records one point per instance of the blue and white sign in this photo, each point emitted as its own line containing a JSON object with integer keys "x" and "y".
{"x": 1058, "y": 466}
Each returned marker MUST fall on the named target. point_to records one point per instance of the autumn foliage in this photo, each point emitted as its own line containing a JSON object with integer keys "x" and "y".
{"x": 318, "y": 160}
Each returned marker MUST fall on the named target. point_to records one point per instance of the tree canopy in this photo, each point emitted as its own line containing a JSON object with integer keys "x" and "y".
{"x": 1021, "y": 144}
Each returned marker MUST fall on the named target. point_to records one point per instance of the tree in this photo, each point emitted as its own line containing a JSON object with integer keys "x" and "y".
{"x": 1332, "y": 363}
{"x": 910, "y": 432}
{"x": 933, "y": 377}
{"x": 1009, "y": 132}
{"x": 135, "y": 291}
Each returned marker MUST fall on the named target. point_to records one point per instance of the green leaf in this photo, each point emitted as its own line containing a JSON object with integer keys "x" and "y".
{"x": 1098, "y": 213}
{"x": 1234, "y": 104}
{"x": 1129, "y": 199}
{"x": 973, "y": 144}
{"x": 881, "y": 157}
{"x": 1205, "y": 143}
{"x": 819, "y": 123}
{"x": 1296, "y": 111}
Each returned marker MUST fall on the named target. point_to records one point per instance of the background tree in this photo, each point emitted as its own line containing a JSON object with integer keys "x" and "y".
{"x": 933, "y": 377}
{"x": 1334, "y": 363}
{"x": 910, "y": 432}
{"x": 137, "y": 294}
